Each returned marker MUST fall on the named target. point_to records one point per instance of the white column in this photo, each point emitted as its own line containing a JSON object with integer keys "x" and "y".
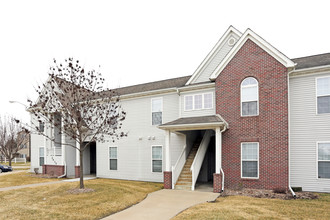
{"x": 63, "y": 149}
{"x": 77, "y": 154}
{"x": 218, "y": 151}
{"x": 167, "y": 151}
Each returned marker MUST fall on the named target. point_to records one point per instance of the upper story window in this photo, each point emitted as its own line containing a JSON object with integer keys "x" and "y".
{"x": 157, "y": 111}
{"x": 41, "y": 126}
{"x": 323, "y": 151}
{"x": 198, "y": 101}
{"x": 249, "y": 97}
{"x": 323, "y": 95}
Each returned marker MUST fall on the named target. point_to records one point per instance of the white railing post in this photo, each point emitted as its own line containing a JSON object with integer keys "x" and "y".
{"x": 15, "y": 160}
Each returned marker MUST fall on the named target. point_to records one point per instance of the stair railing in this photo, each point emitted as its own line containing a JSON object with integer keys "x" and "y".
{"x": 199, "y": 158}
{"x": 177, "y": 168}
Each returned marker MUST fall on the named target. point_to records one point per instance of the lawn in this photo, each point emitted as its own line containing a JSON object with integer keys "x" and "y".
{"x": 54, "y": 202}
{"x": 21, "y": 178}
{"x": 242, "y": 207}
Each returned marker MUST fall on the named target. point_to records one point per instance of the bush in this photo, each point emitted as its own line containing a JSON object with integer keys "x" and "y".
{"x": 279, "y": 190}
{"x": 296, "y": 189}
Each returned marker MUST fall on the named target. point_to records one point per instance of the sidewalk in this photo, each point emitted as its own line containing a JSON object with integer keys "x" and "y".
{"x": 41, "y": 184}
{"x": 164, "y": 204}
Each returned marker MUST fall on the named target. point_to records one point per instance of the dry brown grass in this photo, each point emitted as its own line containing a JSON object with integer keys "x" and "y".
{"x": 17, "y": 164}
{"x": 21, "y": 178}
{"x": 55, "y": 202}
{"x": 242, "y": 207}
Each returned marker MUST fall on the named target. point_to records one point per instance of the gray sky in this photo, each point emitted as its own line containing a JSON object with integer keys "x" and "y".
{"x": 141, "y": 41}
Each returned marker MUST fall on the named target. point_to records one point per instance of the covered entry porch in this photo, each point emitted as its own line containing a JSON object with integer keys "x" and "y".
{"x": 188, "y": 166}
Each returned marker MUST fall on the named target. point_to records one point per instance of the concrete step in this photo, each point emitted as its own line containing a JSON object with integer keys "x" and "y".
{"x": 182, "y": 187}
{"x": 183, "y": 183}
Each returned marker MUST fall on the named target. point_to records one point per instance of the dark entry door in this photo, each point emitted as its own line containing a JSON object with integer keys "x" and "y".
{"x": 93, "y": 157}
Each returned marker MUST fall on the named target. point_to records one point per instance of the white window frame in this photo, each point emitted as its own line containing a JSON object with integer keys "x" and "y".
{"x": 43, "y": 156}
{"x": 316, "y": 103}
{"x": 158, "y": 98}
{"x": 161, "y": 160}
{"x": 193, "y": 101}
{"x": 258, "y": 160}
{"x": 241, "y": 88}
{"x": 109, "y": 158}
{"x": 317, "y": 159}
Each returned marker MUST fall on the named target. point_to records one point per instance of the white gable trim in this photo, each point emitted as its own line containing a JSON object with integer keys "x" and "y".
{"x": 211, "y": 54}
{"x": 249, "y": 34}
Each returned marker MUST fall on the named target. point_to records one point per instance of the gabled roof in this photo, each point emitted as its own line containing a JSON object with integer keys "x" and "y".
{"x": 210, "y": 56}
{"x": 312, "y": 61}
{"x": 163, "y": 84}
{"x": 249, "y": 34}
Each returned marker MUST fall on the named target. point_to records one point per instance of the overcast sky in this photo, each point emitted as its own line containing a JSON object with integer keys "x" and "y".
{"x": 141, "y": 41}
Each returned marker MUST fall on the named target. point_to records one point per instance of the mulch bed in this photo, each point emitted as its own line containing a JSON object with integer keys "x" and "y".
{"x": 78, "y": 191}
{"x": 258, "y": 193}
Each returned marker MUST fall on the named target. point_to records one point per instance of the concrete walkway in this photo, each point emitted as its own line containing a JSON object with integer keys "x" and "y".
{"x": 164, "y": 204}
{"x": 42, "y": 184}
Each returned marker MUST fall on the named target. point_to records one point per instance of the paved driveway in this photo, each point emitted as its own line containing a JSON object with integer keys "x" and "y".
{"x": 164, "y": 204}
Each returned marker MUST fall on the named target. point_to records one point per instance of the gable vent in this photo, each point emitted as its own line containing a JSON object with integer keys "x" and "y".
{"x": 231, "y": 41}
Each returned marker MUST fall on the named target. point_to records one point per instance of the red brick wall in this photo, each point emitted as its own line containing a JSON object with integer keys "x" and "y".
{"x": 76, "y": 171}
{"x": 217, "y": 182}
{"x": 53, "y": 170}
{"x": 167, "y": 180}
{"x": 270, "y": 128}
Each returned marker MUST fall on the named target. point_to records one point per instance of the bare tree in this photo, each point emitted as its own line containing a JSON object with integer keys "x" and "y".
{"x": 74, "y": 102}
{"x": 12, "y": 137}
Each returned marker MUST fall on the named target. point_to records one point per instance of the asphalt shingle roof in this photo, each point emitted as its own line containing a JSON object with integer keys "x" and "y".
{"x": 194, "y": 120}
{"x": 312, "y": 61}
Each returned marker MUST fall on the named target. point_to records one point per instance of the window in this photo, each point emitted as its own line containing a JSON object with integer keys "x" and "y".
{"x": 113, "y": 158}
{"x": 323, "y": 95}
{"x": 157, "y": 108}
{"x": 324, "y": 160}
{"x": 250, "y": 160}
{"x": 188, "y": 102}
{"x": 249, "y": 97}
{"x": 157, "y": 157}
{"x": 41, "y": 156}
{"x": 198, "y": 101}
{"x": 41, "y": 126}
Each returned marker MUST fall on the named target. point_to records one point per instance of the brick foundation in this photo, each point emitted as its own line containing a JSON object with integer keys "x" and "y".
{"x": 269, "y": 128}
{"x": 53, "y": 170}
{"x": 217, "y": 182}
{"x": 77, "y": 171}
{"x": 167, "y": 180}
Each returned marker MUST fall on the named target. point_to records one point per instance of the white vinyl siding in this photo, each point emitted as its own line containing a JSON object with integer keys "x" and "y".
{"x": 157, "y": 159}
{"x": 250, "y": 160}
{"x": 134, "y": 151}
{"x": 113, "y": 165}
{"x": 323, "y": 151}
{"x": 323, "y": 95}
{"x": 214, "y": 61}
{"x": 157, "y": 111}
{"x": 307, "y": 128}
{"x": 249, "y": 97}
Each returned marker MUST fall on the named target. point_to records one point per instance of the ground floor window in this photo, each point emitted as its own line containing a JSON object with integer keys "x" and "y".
{"x": 41, "y": 156}
{"x": 157, "y": 159}
{"x": 113, "y": 158}
{"x": 250, "y": 160}
{"x": 323, "y": 160}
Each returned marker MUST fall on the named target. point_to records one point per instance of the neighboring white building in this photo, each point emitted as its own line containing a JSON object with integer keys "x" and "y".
{"x": 181, "y": 132}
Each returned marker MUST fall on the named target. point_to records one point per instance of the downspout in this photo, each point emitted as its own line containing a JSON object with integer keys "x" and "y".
{"x": 221, "y": 170}
{"x": 64, "y": 172}
{"x": 289, "y": 145}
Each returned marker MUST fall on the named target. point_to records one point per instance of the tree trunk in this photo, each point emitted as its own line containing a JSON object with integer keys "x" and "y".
{"x": 10, "y": 161}
{"x": 81, "y": 152}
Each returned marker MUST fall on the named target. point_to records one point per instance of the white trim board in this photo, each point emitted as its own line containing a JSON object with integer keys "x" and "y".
{"x": 249, "y": 34}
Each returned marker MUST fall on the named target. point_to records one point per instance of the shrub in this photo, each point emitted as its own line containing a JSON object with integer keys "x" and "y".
{"x": 281, "y": 190}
